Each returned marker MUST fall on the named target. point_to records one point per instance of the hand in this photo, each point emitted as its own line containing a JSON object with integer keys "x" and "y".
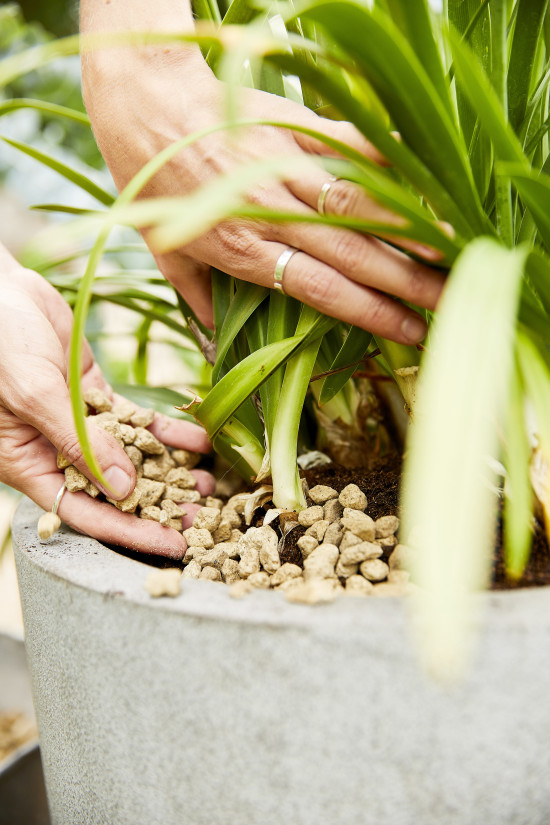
{"x": 36, "y": 420}
{"x": 139, "y": 102}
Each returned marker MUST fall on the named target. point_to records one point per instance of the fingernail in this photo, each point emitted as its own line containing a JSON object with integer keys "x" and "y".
{"x": 119, "y": 480}
{"x": 414, "y": 329}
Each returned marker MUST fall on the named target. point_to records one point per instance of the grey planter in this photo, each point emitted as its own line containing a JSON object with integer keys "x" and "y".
{"x": 205, "y": 710}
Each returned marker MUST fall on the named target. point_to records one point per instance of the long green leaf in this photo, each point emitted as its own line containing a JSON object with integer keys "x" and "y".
{"x": 244, "y": 379}
{"x": 534, "y": 190}
{"x": 536, "y": 377}
{"x": 518, "y": 501}
{"x": 345, "y": 361}
{"x": 408, "y": 93}
{"x": 63, "y": 169}
{"x": 43, "y": 106}
{"x": 486, "y": 103}
{"x": 448, "y": 474}
{"x": 527, "y": 30}
{"x": 413, "y": 18}
{"x": 246, "y": 299}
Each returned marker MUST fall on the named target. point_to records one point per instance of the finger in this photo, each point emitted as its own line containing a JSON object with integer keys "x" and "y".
{"x": 340, "y": 197}
{"x": 344, "y": 132}
{"x": 206, "y": 483}
{"x": 189, "y": 512}
{"x": 369, "y": 261}
{"x": 180, "y": 434}
{"x": 51, "y": 414}
{"x": 332, "y": 293}
{"x": 104, "y": 522}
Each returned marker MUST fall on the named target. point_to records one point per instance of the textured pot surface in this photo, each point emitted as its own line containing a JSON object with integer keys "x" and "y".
{"x": 206, "y": 710}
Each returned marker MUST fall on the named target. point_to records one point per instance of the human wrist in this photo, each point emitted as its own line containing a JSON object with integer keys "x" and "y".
{"x": 110, "y": 67}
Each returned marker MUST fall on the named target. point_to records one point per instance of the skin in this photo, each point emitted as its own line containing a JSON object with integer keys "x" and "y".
{"x": 36, "y": 420}
{"x": 142, "y": 99}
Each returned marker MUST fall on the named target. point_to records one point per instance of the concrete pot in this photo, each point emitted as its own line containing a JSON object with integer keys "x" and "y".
{"x": 205, "y": 710}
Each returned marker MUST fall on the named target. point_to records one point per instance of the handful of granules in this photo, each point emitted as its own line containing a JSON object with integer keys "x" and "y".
{"x": 164, "y": 478}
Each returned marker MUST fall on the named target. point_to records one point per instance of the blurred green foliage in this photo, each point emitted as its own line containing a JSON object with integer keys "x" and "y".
{"x": 57, "y": 16}
{"x": 59, "y": 82}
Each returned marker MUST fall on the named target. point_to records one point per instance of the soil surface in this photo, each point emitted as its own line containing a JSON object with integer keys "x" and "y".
{"x": 381, "y": 483}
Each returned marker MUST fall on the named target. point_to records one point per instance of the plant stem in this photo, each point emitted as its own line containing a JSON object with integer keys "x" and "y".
{"x": 287, "y": 488}
{"x": 398, "y": 356}
{"x": 245, "y": 443}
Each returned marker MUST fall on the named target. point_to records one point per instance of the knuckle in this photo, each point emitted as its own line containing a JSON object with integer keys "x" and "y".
{"x": 238, "y": 241}
{"x": 351, "y": 254}
{"x": 377, "y": 315}
{"x": 416, "y": 283}
{"x": 70, "y": 448}
{"x": 319, "y": 288}
{"x": 344, "y": 199}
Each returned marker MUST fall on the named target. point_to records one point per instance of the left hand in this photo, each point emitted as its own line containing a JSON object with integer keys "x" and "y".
{"x": 36, "y": 420}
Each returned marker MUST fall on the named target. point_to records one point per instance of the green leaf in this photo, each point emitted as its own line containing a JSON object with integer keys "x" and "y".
{"x": 413, "y": 18}
{"x": 239, "y": 383}
{"x": 527, "y": 31}
{"x": 162, "y": 399}
{"x": 243, "y": 380}
{"x": 246, "y": 299}
{"x": 63, "y": 209}
{"x": 7, "y": 106}
{"x": 536, "y": 377}
{"x": 67, "y": 172}
{"x": 407, "y": 91}
{"x": 534, "y": 189}
{"x": 352, "y": 350}
{"x": 485, "y": 103}
{"x": 447, "y": 474}
{"x": 18, "y": 64}
{"x": 518, "y": 501}
{"x": 287, "y": 489}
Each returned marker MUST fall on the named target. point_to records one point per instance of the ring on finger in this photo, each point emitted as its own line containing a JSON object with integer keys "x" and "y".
{"x": 280, "y": 267}
{"x": 58, "y": 498}
{"x": 325, "y": 188}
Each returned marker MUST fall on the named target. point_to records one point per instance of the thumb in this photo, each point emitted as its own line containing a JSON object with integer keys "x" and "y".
{"x": 51, "y": 414}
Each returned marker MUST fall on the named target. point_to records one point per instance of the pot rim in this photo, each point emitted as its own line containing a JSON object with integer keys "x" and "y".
{"x": 86, "y": 563}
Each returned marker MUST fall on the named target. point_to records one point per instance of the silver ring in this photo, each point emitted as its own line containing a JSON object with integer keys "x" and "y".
{"x": 323, "y": 195}
{"x": 280, "y": 267}
{"x": 58, "y": 498}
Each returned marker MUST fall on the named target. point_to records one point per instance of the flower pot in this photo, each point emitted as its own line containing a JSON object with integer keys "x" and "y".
{"x": 207, "y": 710}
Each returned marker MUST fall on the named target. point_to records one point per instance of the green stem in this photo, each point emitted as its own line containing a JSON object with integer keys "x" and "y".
{"x": 287, "y": 488}
{"x": 245, "y": 443}
{"x": 398, "y": 357}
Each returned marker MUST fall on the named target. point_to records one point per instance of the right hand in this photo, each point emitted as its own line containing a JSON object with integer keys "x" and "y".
{"x": 140, "y": 102}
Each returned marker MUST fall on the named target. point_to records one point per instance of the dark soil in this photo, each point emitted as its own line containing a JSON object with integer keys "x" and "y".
{"x": 381, "y": 482}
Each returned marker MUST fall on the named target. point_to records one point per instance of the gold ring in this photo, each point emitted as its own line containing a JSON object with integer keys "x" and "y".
{"x": 280, "y": 267}
{"x": 323, "y": 195}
